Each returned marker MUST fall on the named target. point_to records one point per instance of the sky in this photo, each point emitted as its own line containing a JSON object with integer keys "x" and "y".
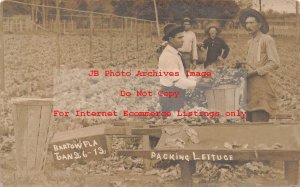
{"x": 278, "y": 5}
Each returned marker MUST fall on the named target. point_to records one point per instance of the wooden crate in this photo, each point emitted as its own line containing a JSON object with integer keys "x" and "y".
{"x": 32, "y": 120}
{"x": 225, "y": 98}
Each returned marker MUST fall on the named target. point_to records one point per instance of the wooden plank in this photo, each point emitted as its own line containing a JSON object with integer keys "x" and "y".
{"x": 146, "y": 146}
{"x": 225, "y": 154}
{"x": 34, "y": 114}
{"x": 229, "y": 100}
{"x": 219, "y": 100}
{"x": 115, "y": 131}
{"x": 186, "y": 174}
{"x": 50, "y": 134}
{"x": 282, "y": 116}
{"x": 128, "y": 123}
{"x": 20, "y": 126}
{"x": 33, "y": 101}
{"x": 291, "y": 172}
{"x": 210, "y": 100}
{"x": 78, "y": 133}
{"x": 46, "y": 114}
{"x": 147, "y": 131}
{"x": 252, "y": 135}
{"x": 236, "y": 99}
{"x": 109, "y": 140}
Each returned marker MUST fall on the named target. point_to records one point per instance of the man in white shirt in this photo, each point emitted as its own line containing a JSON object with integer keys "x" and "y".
{"x": 170, "y": 61}
{"x": 189, "y": 47}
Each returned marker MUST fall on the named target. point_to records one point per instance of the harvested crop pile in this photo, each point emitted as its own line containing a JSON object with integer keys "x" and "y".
{"x": 220, "y": 172}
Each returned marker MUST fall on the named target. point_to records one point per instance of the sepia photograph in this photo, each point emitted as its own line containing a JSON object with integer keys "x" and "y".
{"x": 149, "y": 93}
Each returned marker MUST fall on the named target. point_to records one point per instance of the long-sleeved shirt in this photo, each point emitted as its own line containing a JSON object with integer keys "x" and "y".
{"x": 214, "y": 49}
{"x": 190, "y": 44}
{"x": 170, "y": 61}
{"x": 262, "y": 54}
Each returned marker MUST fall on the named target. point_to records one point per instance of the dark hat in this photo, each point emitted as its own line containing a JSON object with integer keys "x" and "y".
{"x": 171, "y": 29}
{"x": 249, "y": 12}
{"x": 212, "y": 26}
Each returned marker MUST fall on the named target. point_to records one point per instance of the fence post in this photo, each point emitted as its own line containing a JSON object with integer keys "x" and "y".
{"x": 35, "y": 24}
{"x": 297, "y": 20}
{"x": 238, "y": 31}
{"x": 126, "y": 38}
{"x": 2, "y": 81}
{"x": 91, "y": 40}
{"x": 137, "y": 34}
{"x": 151, "y": 37}
{"x": 44, "y": 14}
{"x": 72, "y": 24}
{"x": 64, "y": 26}
{"x": 123, "y": 30}
{"x": 21, "y": 25}
{"x": 101, "y": 23}
{"x": 8, "y": 21}
{"x": 111, "y": 36}
{"x": 58, "y": 36}
{"x": 144, "y": 32}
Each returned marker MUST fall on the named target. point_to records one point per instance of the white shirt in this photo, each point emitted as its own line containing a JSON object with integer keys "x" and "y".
{"x": 170, "y": 61}
{"x": 189, "y": 44}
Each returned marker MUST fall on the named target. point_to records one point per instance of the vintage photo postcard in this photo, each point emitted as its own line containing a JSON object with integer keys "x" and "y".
{"x": 151, "y": 93}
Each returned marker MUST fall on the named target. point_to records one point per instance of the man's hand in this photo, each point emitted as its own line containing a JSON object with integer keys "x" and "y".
{"x": 203, "y": 85}
{"x": 221, "y": 59}
{"x": 252, "y": 74}
{"x": 200, "y": 44}
{"x": 194, "y": 64}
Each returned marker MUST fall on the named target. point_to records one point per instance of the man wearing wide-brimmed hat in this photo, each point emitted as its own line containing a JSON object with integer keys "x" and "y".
{"x": 262, "y": 58}
{"x": 189, "y": 47}
{"x": 217, "y": 49}
{"x": 171, "y": 61}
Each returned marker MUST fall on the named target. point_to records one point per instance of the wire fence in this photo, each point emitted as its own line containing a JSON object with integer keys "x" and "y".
{"x": 123, "y": 38}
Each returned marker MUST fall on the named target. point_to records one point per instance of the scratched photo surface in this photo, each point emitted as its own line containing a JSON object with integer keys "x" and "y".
{"x": 110, "y": 93}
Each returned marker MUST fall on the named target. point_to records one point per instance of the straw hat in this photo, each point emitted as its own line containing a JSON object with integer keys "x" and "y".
{"x": 212, "y": 26}
{"x": 249, "y": 12}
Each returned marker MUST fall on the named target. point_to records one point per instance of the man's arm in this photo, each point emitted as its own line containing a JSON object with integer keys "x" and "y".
{"x": 273, "y": 58}
{"x": 225, "y": 48}
{"x": 171, "y": 64}
{"x": 194, "y": 47}
{"x": 205, "y": 44}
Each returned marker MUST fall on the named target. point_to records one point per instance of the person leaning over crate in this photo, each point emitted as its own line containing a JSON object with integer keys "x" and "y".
{"x": 170, "y": 60}
{"x": 217, "y": 49}
{"x": 262, "y": 58}
{"x": 189, "y": 47}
